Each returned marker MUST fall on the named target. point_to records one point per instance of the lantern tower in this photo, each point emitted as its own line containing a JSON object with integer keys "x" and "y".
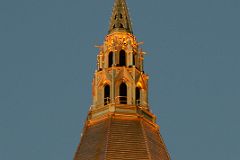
{"x": 120, "y": 124}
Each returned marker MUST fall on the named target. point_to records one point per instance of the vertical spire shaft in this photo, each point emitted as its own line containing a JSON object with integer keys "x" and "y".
{"x": 120, "y": 20}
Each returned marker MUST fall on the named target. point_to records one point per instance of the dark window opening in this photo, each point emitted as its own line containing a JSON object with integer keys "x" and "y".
{"x": 122, "y": 58}
{"x": 114, "y": 26}
{"x": 115, "y": 17}
{"x": 123, "y": 93}
{"x": 106, "y": 94}
{"x": 121, "y": 25}
{"x": 110, "y": 59}
{"x": 137, "y": 95}
{"x": 121, "y": 16}
{"x": 133, "y": 59}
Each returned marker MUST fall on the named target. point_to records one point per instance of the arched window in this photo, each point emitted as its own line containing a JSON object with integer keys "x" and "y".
{"x": 133, "y": 59}
{"x": 110, "y": 59}
{"x": 122, "y": 58}
{"x": 106, "y": 94}
{"x": 138, "y": 95}
{"x": 123, "y": 93}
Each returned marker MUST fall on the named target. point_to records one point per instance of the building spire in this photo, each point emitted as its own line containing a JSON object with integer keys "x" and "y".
{"x": 120, "y": 20}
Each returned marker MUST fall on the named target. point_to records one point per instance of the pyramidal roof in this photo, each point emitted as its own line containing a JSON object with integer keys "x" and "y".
{"x": 121, "y": 138}
{"x": 120, "y": 19}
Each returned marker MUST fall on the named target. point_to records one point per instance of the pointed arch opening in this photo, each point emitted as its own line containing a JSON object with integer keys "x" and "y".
{"x": 110, "y": 59}
{"x": 106, "y": 94}
{"x": 138, "y": 95}
{"x": 133, "y": 59}
{"x": 122, "y": 58}
{"x": 123, "y": 93}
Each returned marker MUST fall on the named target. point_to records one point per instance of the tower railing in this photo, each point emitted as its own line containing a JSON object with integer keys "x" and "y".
{"x": 121, "y": 104}
{"x": 121, "y": 100}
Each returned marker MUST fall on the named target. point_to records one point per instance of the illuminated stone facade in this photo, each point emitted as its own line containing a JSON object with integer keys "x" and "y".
{"x": 120, "y": 125}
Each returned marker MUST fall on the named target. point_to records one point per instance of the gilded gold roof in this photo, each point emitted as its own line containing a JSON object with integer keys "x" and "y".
{"x": 117, "y": 137}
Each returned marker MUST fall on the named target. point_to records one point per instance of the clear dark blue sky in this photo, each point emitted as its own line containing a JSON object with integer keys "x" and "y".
{"x": 47, "y": 59}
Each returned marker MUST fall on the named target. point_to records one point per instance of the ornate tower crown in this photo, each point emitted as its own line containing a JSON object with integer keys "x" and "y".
{"x": 120, "y": 124}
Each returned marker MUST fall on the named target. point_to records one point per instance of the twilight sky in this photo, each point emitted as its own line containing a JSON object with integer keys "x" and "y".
{"x": 47, "y": 61}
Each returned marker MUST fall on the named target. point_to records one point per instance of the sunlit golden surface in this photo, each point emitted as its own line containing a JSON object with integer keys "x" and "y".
{"x": 120, "y": 124}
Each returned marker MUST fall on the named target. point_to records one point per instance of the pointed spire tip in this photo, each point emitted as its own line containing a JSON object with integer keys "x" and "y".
{"x": 120, "y": 19}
